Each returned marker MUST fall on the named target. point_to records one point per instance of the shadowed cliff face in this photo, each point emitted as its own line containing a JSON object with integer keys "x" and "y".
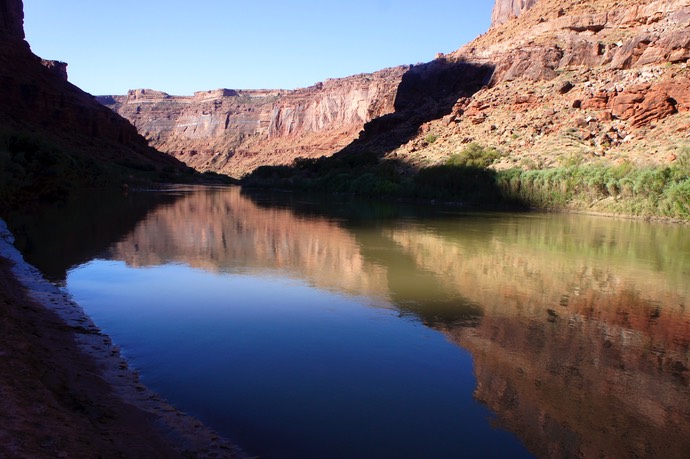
{"x": 11, "y": 20}
{"x": 35, "y": 98}
{"x": 426, "y": 92}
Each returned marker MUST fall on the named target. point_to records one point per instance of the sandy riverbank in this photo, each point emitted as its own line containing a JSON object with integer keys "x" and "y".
{"x": 65, "y": 391}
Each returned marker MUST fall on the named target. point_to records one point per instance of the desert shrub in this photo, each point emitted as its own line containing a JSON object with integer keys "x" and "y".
{"x": 475, "y": 155}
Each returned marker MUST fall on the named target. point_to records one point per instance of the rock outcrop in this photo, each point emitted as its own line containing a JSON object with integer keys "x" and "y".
{"x": 12, "y": 20}
{"x": 574, "y": 81}
{"x": 505, "y": 10}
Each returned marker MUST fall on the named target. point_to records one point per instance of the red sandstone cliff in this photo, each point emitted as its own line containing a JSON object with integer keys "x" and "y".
{"x": 236, "y": 131}
{"x": 12, "y": 20}
{"x": 575, "y": 80}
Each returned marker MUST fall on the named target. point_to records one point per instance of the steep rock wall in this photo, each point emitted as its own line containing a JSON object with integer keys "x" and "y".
{"x": 504, "y": 10}
{"x": 234, "y": 131}
{"x": 563, "y": 81}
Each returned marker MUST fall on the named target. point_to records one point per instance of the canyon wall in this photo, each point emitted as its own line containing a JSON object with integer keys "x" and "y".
{"x": 235, "y": 131}
{"x": 574, "y": 81}
{"x": 553, "y": 82}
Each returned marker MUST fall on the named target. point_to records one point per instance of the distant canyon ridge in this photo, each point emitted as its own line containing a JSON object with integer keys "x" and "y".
{"x": 552, "y": 82}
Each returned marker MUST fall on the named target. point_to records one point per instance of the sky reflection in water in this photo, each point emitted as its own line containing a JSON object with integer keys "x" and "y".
{"x": 291, "y": 370}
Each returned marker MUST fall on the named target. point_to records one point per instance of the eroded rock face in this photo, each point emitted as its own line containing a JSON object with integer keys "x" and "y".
{"x": 625, "y": 67}
{"x": 504, "y": 10}
{"x": 235, "y": 131}
{"x": 59, "y": 68}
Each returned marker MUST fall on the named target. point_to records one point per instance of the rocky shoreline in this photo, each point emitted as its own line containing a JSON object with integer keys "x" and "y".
{"x": 65, "y": 390}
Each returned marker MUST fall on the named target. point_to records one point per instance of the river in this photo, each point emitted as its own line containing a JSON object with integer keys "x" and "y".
{"x": 311, "y": 327}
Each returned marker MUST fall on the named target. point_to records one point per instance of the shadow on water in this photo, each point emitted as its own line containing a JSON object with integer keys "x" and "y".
{"x": 57, "y": 236}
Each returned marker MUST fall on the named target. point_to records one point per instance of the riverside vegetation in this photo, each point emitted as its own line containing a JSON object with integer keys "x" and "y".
{"x": 468, "y": 177}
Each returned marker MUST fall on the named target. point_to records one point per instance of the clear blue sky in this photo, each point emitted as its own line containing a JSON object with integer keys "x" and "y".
{"x": 184, "y": 46}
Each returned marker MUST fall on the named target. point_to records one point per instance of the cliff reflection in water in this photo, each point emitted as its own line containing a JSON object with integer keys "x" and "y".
{"x": 578, "y": 326}
{"x": 582, "y": 349}
{"x": 222, "y": 231}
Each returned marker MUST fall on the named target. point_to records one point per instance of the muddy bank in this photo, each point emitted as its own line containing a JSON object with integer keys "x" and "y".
{"x": 65, "y": 391}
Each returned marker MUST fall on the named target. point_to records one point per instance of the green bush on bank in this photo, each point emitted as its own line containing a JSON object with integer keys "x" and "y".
{"x": 662, "y": 191}
{"x": 475, "y": 155}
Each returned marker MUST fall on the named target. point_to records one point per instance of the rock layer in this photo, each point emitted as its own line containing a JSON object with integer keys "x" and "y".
{"x": 575, "y": 81}
{"x": 12, "y": 20}
{"x": 234, "y": 131}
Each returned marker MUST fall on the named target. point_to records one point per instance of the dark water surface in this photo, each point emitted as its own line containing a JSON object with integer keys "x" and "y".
{"x": 313, "y": 328}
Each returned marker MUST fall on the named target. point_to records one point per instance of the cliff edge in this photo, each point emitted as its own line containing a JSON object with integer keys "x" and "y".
{"x": 236, "y": 131}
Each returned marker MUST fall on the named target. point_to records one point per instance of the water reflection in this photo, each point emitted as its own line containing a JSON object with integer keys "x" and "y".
{"x": 583, "y": 345}
{"x": 578, "y": 326}
{"x": 58, "y": 236}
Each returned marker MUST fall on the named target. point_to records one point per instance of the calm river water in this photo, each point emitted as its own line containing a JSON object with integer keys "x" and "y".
{"x": 313, "y": 328}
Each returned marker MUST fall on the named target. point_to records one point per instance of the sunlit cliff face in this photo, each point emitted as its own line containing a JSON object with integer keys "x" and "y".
{"x": 234, "y": 132}
{"x": 504, "y": 10}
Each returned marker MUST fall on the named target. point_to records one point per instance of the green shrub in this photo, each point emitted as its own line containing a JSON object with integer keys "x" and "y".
{"x": 431, "y": 138}
{"x": 475, "y": 155}
{"x": 652, "y": 191}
